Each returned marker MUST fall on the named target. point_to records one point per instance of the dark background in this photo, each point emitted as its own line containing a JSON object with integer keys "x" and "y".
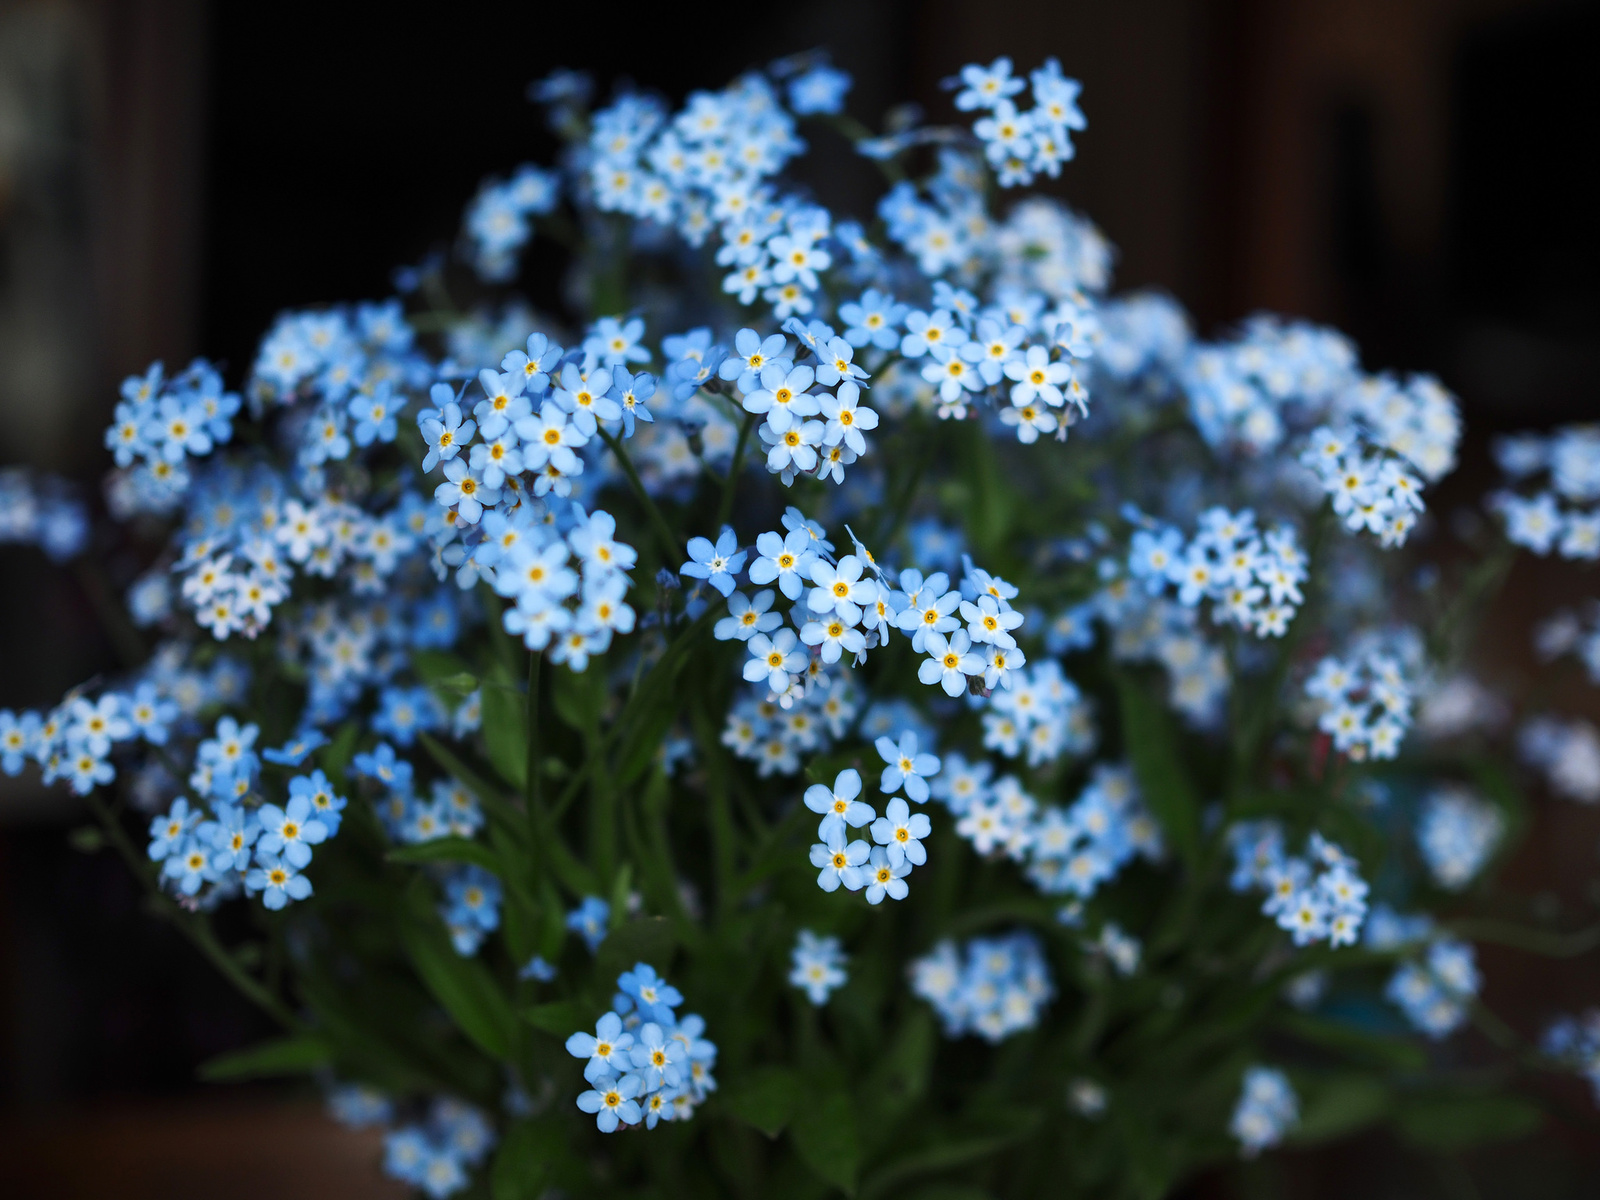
{"x": 172, "y": 174}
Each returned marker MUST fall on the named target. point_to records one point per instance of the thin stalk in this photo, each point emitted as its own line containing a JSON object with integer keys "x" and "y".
{"x": 534, "y": 788}
{"x": 125, "y": 639}
{"x": 669, "y": 540}
{"x": 192, "y": 926}
{"x": 1534, "y": 941}
{"x": 730, "y": 485}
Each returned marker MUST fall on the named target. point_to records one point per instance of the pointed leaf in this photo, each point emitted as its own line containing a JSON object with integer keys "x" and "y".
{"x": 505, "y": 734}
{"x": 448, "y": 849}
{"x": 1151, "y": 741}
{"x": 765, "y": 1098}
{"x": 295, "y": 1055}
{"x": 464, "y": 986}
{"x": 824, "y": 1133}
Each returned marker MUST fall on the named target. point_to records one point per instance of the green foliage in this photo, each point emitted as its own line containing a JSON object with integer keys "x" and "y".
{"x": 297, "y": 1055}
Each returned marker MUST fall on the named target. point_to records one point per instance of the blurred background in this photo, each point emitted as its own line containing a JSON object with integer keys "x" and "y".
{"x": 1420, "y": 173}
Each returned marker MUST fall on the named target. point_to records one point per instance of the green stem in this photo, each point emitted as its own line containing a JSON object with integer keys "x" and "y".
{"x": 1534, "y": 941}
{"x": 192, "y": 926}
{"x": 125, "y": 639}
{"x": 725, "y": 508}
{"x": 534, "y": 787}
{"x": 669, "y": 540}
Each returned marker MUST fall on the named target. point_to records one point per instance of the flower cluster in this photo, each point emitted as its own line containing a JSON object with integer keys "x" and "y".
{"x": 435, "y": 1154}
{"x": 880, "y": 869}
{"x": 496, "y": 222}
{"x": 817, "y": 965}
{"x": 412, "y": 505}
{"x": 1021, "y": 144}
{"x": 1434, "y": 991}
{"x": 1369, "y": 490}
{"x": 163, "y": 424}
{"x": 1267, "y": 1109}
{"x": 1564, "y": 515}
{"x": 1566, "y": 752}
{"x": 645, "y": 1064}
{"x": 1567, "y": 632}
{"x": 74, "y": 741}
{"x": 1043, "y": 715}
{"x": 43, "y": 512}
{"x": 707, "y": 165}
{"x": 992, "y": 987}
{"x": 1575, "y": 1042}
{"x": 1154, "y": 628}
{"x": 1457, "y": 831}
{"x": 1365, "y": 704}
{"x": 471, "y": 908}
{"x": 233, "y": 838}
{"x": 1318, "y": 897}
{"x": 1243, "y": 393}
{"x": 1073, "y": 851}
{"x": 850, "y": 607}
{"x": 1252, "y": 579}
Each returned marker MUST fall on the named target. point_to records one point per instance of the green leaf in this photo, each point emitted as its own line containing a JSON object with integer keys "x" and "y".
{"x": 336, "y": 755}
{"x": 1340, "y": 1106}
{"x": 901, "y": 1077}
{"x": 529, "y": 1154}
{"x": 943, "y": 1155}
{"x": 562, "y": 1018}
{"x": 1359, "y": 1044}
{"x": 295, "y": 1055}
{"x": 86, "y": 839}
{"x": 434, "y": 666}
{"x": 645, "y": 940}
{"x": 824, "y": 1132}
{"x": 464, "y": 986}
{"x": 1150, "y": 739}
{"x": 448, "y": 849}
{"x": 505, "y": 734}
{"x": 1448, "y": 1123}
{"x": 494, "y": 803}
{"x": 764, "y": 1098}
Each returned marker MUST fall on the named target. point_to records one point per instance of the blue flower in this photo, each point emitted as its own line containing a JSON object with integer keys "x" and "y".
{"x": 655, "y": 1056}
{"x": 381, "y": 764}
{"x": 536, "y": 968}
{"x": 716, "y": 564}
{"x": 590, "y": 921}
{"x": 231, "y": 834}
{"x": 17, "y": 738}
{"x": 612, "y": 1101}
{"x": 839, "y": 862}
{"x": 606, "y": 1048}
{"x": 443, "y": 429}
{"x": 277, "y": 881}
{"x": 784, "y": 559}
{"x": 293, "y": 752}
{"x": 906, "y": 766}
{"x": 820, "y": 90}
{"x": 168, "y": 833}
{"x": 326, "y": 806}
{"x": 290, "y": 831}
{"x": 752, "y": 356}
{"x": 192, "y": 865}
{"x": 817, "y": 966}
{"x": 884, "y": 877}
{"x": 375, "y": 414}
{"x": 652, "y": 993}
{"x": 838, "y": 806}
{"x": 747, "y": 617}
{"x": 900, "y": 832}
